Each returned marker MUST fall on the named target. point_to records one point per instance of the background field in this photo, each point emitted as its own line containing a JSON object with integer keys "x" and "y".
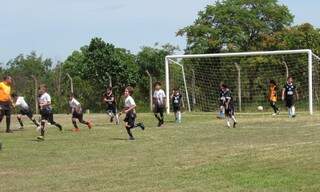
{"x": 201, "y": 154}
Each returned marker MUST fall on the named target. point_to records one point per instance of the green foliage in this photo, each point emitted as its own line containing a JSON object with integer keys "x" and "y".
{"x": 235, "y": 25}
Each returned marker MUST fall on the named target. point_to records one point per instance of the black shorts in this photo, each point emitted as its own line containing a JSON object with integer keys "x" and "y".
{"x": 5, "y": 109}
{"x": 176, "y": 108}
{"x": 46, "y": 114}
{"x": 26, "y": 112}
{"x": 130, "y": 118}
{"x": 229, "y": 111}
{"x": 111, "y": 109}
{"x": 158, "y": 109}
{"x": 76, "y": 115}
{"x": 289, "y": 102}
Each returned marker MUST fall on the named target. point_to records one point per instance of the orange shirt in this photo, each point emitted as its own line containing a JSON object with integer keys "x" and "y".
{"x": 272, "y": 93}
{"x": 5, "y": 91}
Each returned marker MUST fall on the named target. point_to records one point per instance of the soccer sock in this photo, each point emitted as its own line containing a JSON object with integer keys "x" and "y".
{"x": 228, "y": 121}
{"x": 179, "y": 116}
{"x": 20, "y": 122}
{"x": 42, "y": 128}
{"x": 290, "y": 111}
{"x": 293, "y": 110}
{"x": 75, "y": 124}
{"x": 234, "y": 118}
{"x": 129, "y": 131}
{"x": 35, "y": 122}
{"x": 8, "y": 121}
{"x": 161, "y": 115}
{"x": 156, "y": 115}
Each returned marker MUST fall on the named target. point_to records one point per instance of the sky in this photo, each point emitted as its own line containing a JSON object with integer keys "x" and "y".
{"x": 54, "y": 28}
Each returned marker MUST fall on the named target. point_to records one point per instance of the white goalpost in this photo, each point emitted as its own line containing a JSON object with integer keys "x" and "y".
{"x": 247, "y": 73}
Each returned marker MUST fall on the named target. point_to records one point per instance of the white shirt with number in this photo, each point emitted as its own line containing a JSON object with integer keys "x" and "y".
{"x": 45, "y": 99}
{"x": 129, "y": 102}
{"x": 21, "y": 103}
{"x": 159, "y": 95}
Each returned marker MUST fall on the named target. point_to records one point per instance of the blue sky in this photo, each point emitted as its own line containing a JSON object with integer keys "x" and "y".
{"x": 54, "y": 28}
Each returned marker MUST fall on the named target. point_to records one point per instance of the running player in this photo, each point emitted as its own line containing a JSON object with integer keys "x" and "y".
{"x": 77, "y": 113}
{"x": 129, "y": 110}
{"x": 45, "y": 111}
{"x": 221, "y": 107}
{"x": 20, "y": 102}
{"x": 159, "y": 100}
{"x": 110, "y": 101}
{"x": 5, "y": 101}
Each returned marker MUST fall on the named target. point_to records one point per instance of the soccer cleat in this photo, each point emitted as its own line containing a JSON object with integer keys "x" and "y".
{"x": 21, "y": 128}
{"x": 141, "y": 125}
{"x": 75, "y": 129}
{"x": 159, "y": 124}
{"x": 40, "y": 138}
{"x": 234, "y": 124}
{"x": 293, "y": 116}
{"x": 131, "y": 138}
{"x": 90, "y": 124}
{"x": 59, "y": 127}
{"x": 9, "y": 131}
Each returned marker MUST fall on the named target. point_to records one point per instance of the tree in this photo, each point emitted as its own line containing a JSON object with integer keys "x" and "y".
{"x": 235, "y": 25}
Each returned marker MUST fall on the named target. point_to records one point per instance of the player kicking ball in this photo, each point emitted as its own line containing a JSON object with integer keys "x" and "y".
{"x": 228, "y": 105}
{"x": 45, "y": 111}
{"x": 176, "y": 104}
{"x": 129, "y": 110}
{"x": 289, "y": 91}
{"x": 19, "y": 102}
{"x": 110, "y": 101}
{"x": 77, "y": 113}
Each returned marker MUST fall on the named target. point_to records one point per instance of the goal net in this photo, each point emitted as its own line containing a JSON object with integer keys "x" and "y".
{"x": 247, "y": 74}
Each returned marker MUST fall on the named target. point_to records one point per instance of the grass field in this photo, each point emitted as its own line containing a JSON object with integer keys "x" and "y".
{"x": 201, "y": 154}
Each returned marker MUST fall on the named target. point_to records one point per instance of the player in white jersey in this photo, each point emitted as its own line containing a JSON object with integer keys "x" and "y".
{"x": 159, "y": 100}
{"x": 77, "y": 113}
{"x": 45, "y": 110}
{"x": 19, "y": 102}
{"x": 129, "y": 110}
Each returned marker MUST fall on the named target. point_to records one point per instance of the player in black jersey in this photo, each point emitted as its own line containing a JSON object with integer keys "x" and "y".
{"x": 289, "y": 95}
{"x": 221, "y": 107}
{"x": 111, "y": 107}
{"x": 176, "y": 104}
{"x": 228, "y": 105}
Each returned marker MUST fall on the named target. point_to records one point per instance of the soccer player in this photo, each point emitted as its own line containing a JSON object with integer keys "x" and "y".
{"x": 176, "y": 104}
{"x": 77, "y": 113}
{"x": 5, "y": 101}
{"x": 289, "y": 91}
{"x": 228, "y": 105}
{"x": 221, "y": 107}
{"x": 110, "y": 101}
{"x": 272, "y": 96}
{"x": 159, "y": 100}
{"x": 45, "y": 111}
{"x": 129, "y": 110}
{"x": 20, "y": 102}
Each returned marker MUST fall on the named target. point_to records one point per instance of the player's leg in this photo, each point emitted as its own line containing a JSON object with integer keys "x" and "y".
{"x": 7, "y": 113}
{"x": 161, "y": 110}
{"x": 179, "y": 116}
{"x": 19, "y": 118}
{"x": 75, "y": 126}
{"x": 31, "y": 117}
{"x": 51, "y": 120}
{"x": 81, "y": 120}
{"x": 273, "y": 106}
{"x": 115, "y": 112}
{"x": 44, "y": 117}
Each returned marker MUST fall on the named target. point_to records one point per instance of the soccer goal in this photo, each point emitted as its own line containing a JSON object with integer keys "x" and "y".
{"x": 247, "y": 74}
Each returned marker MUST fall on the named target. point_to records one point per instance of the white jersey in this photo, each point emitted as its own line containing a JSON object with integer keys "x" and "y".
{"x": 21, "y": 103}
{"x": 159, "y": 95}
{"x": 45, "y": 98}
{"x": 74, "y": 104}
{"x": 129, "y": 102}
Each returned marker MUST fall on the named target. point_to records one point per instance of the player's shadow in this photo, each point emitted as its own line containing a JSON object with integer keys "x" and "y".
{"x": 118, "y": 139}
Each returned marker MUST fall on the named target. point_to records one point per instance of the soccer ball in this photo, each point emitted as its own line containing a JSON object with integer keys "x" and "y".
{"x": 260, "y": 108}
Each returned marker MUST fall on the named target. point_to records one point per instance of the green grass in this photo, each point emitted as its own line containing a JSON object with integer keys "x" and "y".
{"x": 201, "y": 154}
